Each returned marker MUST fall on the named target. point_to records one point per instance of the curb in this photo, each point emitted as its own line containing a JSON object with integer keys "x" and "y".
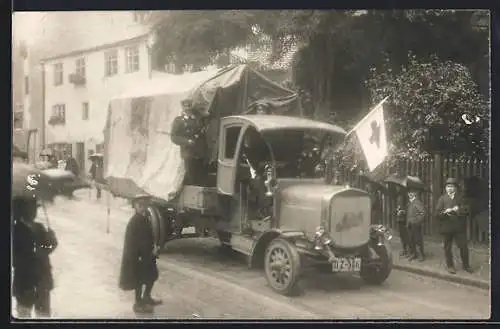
{"x": 473, "y": 282}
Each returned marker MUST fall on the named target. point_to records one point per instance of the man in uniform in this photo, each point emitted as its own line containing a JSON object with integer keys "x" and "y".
{"x": 451, "y": 213}
{"x": 138, "y": 267}
{"x": 415, "y": 215}
{"x": 33, "y": 244}
{"x": 186, "y": 132}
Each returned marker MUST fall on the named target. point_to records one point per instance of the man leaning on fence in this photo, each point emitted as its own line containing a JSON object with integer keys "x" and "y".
{"x": 451, "y": 213}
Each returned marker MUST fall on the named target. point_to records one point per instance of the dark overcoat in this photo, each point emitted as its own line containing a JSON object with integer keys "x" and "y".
{"x": 138, "y": 264}
{"x": 454, "y": 222}
{"x": 184, "y": 130}
{"x": 32, "y": 246}
{"x": 415, "y": 213}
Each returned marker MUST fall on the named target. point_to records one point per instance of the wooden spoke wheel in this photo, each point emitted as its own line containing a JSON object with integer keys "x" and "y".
{"x": 282, "y": 266}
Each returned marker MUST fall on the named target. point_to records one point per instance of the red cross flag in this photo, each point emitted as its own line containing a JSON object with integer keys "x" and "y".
{"x": 372, "y": 136}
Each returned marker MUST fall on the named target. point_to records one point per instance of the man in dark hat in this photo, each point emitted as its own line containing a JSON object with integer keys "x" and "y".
{"x": 451, "y": 213}
{"x": 138, "y": 267}
{"x": 415, "y": 215}
{"x": 32, "y": 245}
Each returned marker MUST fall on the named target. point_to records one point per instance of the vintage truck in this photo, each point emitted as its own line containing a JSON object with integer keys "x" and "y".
{"x": 307, "y": 217}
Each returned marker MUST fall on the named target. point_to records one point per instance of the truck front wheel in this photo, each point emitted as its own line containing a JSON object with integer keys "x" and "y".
{"x": 376, "y": 272}
{"x": 282, "y": 266}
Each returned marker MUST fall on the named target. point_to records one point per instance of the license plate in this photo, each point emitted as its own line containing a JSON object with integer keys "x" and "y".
{"x": 346, "y": 264}
{"x": 189, "y": 230}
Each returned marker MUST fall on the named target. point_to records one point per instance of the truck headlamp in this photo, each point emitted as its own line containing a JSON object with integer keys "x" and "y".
{"x": 384, "y": 233}
{"x": 321, "y": 239}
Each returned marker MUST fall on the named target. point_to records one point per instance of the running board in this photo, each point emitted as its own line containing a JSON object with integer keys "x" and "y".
{"x": 242, "y": 244}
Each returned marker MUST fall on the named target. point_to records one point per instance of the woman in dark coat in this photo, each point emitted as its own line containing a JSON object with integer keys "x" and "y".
{"x": 138, "y": 267}
{"x": 33, "y": 244}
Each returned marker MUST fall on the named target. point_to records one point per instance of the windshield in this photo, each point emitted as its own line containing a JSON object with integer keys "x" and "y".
{"x": 298, "y": 153}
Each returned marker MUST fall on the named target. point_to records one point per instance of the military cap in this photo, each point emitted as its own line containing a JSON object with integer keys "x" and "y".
{"x": 451, "y": 181}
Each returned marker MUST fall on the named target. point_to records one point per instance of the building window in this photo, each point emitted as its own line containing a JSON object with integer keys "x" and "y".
{"x": 58, "y": 74}
{"x": 111, "y": 63}
{"x": 132, "y": 59}
{"x": 18, "y": 120}
{"x": 80, "y": 67}
{"x": 85, "y": 111}
{"x": 58, "y": 114}
{"x": 26, "y": 85}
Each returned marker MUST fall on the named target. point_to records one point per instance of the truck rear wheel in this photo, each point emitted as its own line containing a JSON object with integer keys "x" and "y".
{"x": 282, "y": 266}
{"x": 376, "y": 274}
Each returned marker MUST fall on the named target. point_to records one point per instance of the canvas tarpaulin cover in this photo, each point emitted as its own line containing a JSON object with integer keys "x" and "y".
{"x": 235, "y": 90}
{"x": 139, "y": 154}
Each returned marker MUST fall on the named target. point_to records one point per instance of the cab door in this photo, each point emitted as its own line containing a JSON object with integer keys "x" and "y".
{"x": 229, "y": 141}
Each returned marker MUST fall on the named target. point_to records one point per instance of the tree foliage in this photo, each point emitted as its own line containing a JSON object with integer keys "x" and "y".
{"x": 339, "y": 50}
{"x": 197, "y": 37}
{"x": 426, "y": 107}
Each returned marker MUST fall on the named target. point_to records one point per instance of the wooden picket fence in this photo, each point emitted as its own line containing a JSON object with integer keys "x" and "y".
{"x": 433, "y": 172}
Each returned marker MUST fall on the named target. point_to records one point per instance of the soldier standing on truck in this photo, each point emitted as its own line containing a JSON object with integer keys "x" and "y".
{"x": 187, "y": 132}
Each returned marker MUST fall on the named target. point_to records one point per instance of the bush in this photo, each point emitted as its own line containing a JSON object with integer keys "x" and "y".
{"x": 425, "y": 108}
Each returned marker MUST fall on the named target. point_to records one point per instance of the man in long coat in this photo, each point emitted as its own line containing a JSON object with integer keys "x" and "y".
{"x": 138, "y": 267}
{"x": 32, "y": 245}
{"x": 451, "y": 213}
{"x": 415, "y": 216}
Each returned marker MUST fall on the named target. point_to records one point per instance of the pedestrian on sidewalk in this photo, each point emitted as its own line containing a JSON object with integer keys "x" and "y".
{"x": 96, "y": 172}
{"x": 401, "y": 205}
{"x": 451, "y": 213}
{"x": 138, "y": 268}
{"x": 32, "y": 245}
{"x": 415, "y": 223}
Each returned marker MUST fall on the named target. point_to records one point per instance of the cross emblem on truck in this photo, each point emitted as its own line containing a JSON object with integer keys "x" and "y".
{"x": 375, "y": 137}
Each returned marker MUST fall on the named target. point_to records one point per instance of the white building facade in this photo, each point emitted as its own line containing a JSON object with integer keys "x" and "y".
{"x": 78, "y": 87}
{"x": 21, "y": 102}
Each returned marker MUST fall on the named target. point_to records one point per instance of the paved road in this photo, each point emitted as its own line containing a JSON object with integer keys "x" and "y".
{"x": 198, "y": 280}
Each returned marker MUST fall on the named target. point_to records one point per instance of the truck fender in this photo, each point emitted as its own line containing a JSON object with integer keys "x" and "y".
{"x": 256, "y": 258}
{"x": 157, "y": 223}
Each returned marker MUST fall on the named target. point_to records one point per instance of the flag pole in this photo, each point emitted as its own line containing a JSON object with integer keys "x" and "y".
{"x": 366, "y": 116}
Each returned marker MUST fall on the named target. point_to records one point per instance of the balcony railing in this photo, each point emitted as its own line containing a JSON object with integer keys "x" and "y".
{"x": 77, "y": 79}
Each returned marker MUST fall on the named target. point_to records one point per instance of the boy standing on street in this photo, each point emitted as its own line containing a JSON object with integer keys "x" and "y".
{"x": 138, "y": 268}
